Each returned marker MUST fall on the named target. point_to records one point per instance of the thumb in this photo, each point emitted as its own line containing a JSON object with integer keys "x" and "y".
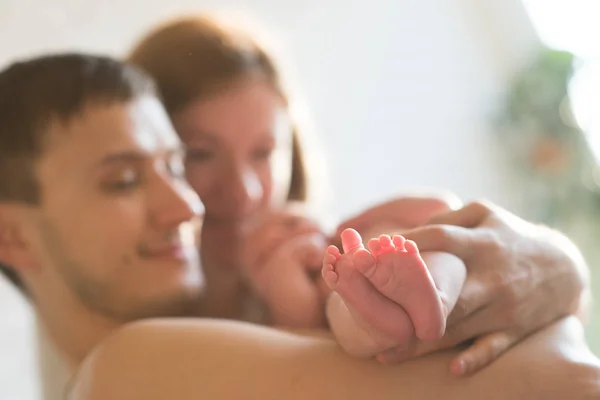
{"x": 445, "y": 238}
{"x": 470, "y": 216}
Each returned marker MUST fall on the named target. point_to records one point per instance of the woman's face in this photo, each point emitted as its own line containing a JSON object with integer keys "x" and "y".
{"x": 239, "y": 153}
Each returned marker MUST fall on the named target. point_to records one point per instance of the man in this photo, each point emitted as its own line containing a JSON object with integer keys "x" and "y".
{"x": 96, "y": 219}
{"x": 97, "y": 227}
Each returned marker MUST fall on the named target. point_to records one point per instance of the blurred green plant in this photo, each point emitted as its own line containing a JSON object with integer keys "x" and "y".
{"x": 535, "y": 124}
{"x": 552, "y": 156}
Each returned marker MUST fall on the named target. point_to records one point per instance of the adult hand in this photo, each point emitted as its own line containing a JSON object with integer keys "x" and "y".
{"x": 282, "y": 262}
{"x": 272, "y": 231}
{"x": 400, "y": 213}
{"x": 520, "y": 278}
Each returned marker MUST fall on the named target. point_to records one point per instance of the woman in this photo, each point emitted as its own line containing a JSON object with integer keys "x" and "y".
{"x": 228, "y": 103}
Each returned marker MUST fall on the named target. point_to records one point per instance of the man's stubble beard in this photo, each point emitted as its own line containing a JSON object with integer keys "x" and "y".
{"x": 100, "y": 297}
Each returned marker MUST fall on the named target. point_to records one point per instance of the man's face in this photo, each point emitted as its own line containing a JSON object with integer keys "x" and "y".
{"x": 117, "y": 221}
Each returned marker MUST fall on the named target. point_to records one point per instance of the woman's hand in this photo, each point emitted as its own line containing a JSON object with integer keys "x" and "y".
{"x": 272, "y": 231}
{"x": 282, "y": 261}
{"x": 520, "y": 278}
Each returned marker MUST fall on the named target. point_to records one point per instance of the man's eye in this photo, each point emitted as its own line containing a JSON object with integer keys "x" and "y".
{"x": 128, "y": 180}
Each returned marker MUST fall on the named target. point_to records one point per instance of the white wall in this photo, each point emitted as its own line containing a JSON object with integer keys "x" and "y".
{"x": 399, "y": 91}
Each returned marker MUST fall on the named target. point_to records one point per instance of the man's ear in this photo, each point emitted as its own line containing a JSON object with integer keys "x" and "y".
{"x": 15, "y": 251}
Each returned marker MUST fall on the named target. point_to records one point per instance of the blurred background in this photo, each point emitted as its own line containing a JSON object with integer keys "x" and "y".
{"x": 494, "y": 99}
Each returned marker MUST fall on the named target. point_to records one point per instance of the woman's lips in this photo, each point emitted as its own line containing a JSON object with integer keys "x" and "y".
{"x": 170, "y": 252}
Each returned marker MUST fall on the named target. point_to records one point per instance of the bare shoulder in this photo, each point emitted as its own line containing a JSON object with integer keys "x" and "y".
{"x": 127, "y": 360}
{"x": 185, "y": 359}
{"x": 191, "y": 359}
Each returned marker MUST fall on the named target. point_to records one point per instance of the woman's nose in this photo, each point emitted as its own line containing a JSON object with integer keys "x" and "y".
{"x": 243, "y": 191}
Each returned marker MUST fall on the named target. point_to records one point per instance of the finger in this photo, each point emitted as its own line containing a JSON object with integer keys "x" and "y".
{"x": 302, "y": 225}
{"x": 312, "y": 250}
{"x": 454, "y": 336}
{"x": 399, "y": 353}
{"x": 445, "y": 238}
{"x": 470, "y": 216}
{"x": 283, "y": 221}
{"x": 474, "y": 296}
{"x": 291, "y": 294}
{"x": 265, "y": 240}
{"x": 481, "y": 353}
{"x": 412, "y": 349}
{"x": 313, "y": 262}
{"x": 286, "y": 227}
{"x": 262, "y": 239}
{"x": 475, "y": 325}
{"x": 405, "y": 211}
{"x": 365, "y": 218}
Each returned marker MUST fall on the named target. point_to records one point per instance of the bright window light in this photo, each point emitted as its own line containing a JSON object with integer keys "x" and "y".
{"x": 571, "y": 25}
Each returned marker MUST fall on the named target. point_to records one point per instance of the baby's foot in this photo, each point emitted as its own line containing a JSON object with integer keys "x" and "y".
{"x": 342, "y": 275}
{"x": 401, "y": 275}
{"x": 389, "y": 287}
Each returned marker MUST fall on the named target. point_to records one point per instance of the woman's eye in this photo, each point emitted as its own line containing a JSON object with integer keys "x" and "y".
{"x": 199, "y": 155}
{"x": 262, "y": 154}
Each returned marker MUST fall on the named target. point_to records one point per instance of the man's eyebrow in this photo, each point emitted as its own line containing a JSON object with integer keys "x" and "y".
{"x": 136, "y": 156}
{"x": 123, "y": 157}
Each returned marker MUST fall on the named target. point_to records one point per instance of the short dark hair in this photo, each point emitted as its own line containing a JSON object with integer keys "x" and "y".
{"x": 39, "y": 90}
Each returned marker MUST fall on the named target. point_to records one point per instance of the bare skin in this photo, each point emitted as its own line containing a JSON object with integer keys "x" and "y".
{"x": 139, "y": 362}
{"x": 387, "y": 295}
